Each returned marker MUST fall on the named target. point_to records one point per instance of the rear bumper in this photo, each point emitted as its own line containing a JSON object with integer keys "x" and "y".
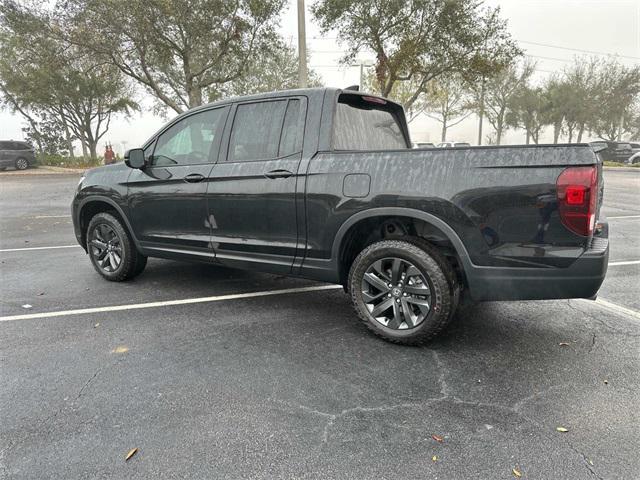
{"x": 580, "y": 280}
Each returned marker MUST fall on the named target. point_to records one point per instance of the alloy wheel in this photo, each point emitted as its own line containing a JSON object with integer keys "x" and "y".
{"x": 21, "y": 164}
{"x": 106, "y": 247}
{"x": 396, "y": 294}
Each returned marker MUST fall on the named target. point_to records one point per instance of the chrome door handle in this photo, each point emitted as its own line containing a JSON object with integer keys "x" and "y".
{"x": 273, "y": 174}
{"x": 194, "y": 178}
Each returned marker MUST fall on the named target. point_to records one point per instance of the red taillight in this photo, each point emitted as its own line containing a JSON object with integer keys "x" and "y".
{"x": 577, "y": 190}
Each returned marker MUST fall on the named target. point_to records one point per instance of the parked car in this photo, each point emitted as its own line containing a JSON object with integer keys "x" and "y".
{"x": 423, "y": 145}
{"x": 613, "y": 151}
{"x": 323, "y": 184}
{"x": 16, "y": 154}
{"x": 633, "y": 159}
{"x": 453, "y": 144}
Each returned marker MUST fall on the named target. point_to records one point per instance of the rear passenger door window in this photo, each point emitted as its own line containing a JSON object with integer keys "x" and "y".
{"x": 256, "y": 131}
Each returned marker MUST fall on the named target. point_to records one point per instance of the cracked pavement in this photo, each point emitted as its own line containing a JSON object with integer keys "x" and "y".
{"x": 291, "y": 386}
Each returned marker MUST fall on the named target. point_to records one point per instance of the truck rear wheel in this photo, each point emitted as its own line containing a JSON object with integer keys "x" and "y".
{"x": 111, "y": 249}
{"x": 403, "y": 291}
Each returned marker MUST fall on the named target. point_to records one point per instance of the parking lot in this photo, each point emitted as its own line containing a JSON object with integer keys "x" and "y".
{"x": 219, "y": 373}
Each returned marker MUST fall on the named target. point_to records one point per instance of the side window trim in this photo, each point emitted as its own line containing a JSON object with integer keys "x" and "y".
{"x": 224, "y": 151}
{"x": 215, "y": 148}
{"x": 302, "y": 120}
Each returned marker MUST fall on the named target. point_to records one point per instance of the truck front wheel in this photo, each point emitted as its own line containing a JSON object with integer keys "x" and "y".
{"x": 111, "y": 249}
{"x": 403, "y": 291}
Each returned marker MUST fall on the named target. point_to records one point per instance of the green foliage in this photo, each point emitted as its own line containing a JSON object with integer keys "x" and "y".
{"x": 277, "y": 70}
{"x": 616, "y": 100}
{"x": 416, "y": 41}
{"x": 46, "y": 135}
{"x": 181, "y": 52}
{"x": 58, "y": 160}
{"x": 496, "y": 94}
{"x": 52, "y": 84}
{"x": 527, "y": 111}
{"x": 448, "y": 102}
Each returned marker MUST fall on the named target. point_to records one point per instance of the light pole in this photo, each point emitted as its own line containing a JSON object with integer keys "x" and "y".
{"x": 302, "y": 47}
{"x": 362, "y": 66}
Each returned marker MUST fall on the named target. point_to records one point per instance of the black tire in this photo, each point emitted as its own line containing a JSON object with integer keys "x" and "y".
{"x": 432, "y": 272}
{"x": 141, "y": 263}
{"x": 22, "y": 164}
{"x": 106, "y": 230}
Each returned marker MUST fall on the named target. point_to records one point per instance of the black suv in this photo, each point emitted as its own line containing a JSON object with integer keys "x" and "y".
{"x": 16, "y": 154}
{"x": 613, "y": 151}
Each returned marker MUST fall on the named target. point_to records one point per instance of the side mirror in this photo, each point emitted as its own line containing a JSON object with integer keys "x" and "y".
{"x": 134, "y": 158}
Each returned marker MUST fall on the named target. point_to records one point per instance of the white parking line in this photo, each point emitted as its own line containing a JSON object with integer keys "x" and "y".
{"x": 37, "y": 248}
{"x": 630, "y": 262}
{"x": 168, "y": 303}
{"x": 623, "y": 216}
{"x": 614, "y": 307}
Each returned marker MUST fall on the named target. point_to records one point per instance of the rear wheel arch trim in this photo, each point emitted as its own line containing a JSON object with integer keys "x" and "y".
{"x": 401, "y": 212}
{"x": 116, "y": 207}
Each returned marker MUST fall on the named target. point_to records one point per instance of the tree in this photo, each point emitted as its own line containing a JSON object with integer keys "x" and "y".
{"x": 52, "y": 85}
{"x": 581, "y": 80}
{"x": 526, "y": 111}
{"x": 496, "y": 94}
{"x": 419, "y": 40}
{"x": 47, "y": 136}
{"x": 277, "y": 69}
{"x": 556, "y": 93}
{"x": 448, "y": 102}
{"x": 616, "y": 100}
{"x": 400, "y": 93}
{"x": 184, "y": 53}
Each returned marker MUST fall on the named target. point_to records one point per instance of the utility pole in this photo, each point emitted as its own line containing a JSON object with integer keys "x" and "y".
{"x": 302, "y": 48}
{"x": 362, "y": 66}
{"x": 481, "y": 113}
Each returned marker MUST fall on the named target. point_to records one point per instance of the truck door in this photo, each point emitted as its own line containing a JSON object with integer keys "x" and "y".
{"x": 167, "y": 199}
{"x": 251, "y": 193}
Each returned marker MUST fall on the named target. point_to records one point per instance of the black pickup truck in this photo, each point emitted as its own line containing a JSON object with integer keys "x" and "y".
{"x": 324, "y": 184}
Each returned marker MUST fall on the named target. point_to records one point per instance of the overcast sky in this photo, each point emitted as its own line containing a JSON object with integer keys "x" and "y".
{"x": 552, "y": 32}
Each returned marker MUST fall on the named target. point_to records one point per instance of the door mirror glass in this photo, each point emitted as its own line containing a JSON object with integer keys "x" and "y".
{"x": 134, "y": 158}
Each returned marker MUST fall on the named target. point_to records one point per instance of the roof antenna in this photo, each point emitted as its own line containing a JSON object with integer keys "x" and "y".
{"x": 354, "y": 87}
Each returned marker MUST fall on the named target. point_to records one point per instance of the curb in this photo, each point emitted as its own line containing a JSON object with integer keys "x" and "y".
{"x": 45, "y": 170}
{"x": 621, "y": 169}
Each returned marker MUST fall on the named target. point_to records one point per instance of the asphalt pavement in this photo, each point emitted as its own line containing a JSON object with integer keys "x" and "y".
{"x": 219, "y": 373}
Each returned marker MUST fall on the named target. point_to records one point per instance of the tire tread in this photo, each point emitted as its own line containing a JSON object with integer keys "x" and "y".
{"x": 442, "y": 276}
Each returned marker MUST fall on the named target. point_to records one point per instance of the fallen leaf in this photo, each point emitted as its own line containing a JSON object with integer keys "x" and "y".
{"x": 563, "y": 344}
{"x": 437, "y": 438}
{"x": 27, "y": 306}
{"x": 516, "y": 472}
{"x": 606, "y": 382}
{"x": 96, "y": 325}
{"x": 40, "y": 294}
{"x": 131, "y": 453}
{"x": 562, "y": 429}
{"x": 434, "y": 458}
{"x": 121, "y": 349}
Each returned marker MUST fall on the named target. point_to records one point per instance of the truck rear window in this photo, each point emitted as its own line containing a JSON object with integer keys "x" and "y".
{"x": 366, "y": 125}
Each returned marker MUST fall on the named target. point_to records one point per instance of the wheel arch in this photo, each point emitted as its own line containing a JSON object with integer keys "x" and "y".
{"x": 93, "y": 205}
{"x": 347, "y": 242}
